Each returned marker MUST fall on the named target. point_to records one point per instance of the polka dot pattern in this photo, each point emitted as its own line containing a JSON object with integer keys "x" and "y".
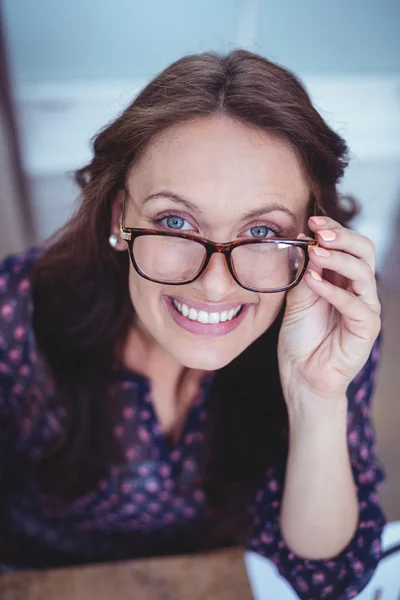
{"x": 154, "y": 503}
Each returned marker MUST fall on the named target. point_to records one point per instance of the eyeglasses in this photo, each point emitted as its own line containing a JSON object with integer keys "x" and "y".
{"x": 260, "y": 265}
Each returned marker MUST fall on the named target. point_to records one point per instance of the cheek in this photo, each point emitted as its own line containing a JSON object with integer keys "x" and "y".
{"x": 269, "y": 307}
{"x": 144, "y": 294}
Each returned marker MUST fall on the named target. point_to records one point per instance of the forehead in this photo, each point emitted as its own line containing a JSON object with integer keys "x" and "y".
{"x": 217, "y": 160}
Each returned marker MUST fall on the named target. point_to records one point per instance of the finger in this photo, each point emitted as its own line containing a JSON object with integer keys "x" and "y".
{"x": 331, "y": 234}
{"x": 358, "y": 318}
{"x": 301, "y": 295}
{"x": 358, "y": 272}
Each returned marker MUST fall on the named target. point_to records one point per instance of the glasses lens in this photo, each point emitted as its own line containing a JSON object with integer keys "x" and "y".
{"x": 168, "y": 259}
{"x": 268, "y": 266}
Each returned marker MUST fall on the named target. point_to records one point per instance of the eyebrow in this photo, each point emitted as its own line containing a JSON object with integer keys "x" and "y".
{"x": 262, "y": 210}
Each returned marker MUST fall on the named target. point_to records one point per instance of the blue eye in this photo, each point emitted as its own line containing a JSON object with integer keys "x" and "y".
{"x": 261, "y": 231}
{"x": 172, "y": 222}
{"x": 175, "y": 222}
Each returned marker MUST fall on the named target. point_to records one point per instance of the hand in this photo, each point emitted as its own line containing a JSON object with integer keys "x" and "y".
{"x": 330, "y": 325}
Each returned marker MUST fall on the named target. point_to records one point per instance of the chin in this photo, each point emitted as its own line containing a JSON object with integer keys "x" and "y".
{"x": 204, "y": 361}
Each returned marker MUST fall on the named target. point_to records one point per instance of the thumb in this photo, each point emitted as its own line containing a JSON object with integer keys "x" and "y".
{"x": 302, "y": 296}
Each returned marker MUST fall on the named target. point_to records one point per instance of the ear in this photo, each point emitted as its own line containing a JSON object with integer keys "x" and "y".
{"x": 116, "y": 211}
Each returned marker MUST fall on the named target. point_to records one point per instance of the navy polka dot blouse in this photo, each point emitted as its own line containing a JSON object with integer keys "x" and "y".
{"x": 154, "y": 503}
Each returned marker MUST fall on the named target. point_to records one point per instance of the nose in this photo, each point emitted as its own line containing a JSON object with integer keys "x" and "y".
{"x": 217, "y": 281}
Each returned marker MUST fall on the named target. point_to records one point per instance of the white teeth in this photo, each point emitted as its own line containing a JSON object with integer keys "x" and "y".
{"x": 204, "y": 317}
{"x": 192, "y": 314}
{"x": 213, "y": 317}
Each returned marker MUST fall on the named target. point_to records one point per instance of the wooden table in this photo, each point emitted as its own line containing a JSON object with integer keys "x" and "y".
{"x": 219, "y": 575}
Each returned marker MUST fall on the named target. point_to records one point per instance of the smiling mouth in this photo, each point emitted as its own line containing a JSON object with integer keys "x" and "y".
{"x": 201, "y": 316}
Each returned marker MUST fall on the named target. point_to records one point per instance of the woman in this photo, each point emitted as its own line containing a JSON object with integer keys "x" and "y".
{"x": 188, "y": 363}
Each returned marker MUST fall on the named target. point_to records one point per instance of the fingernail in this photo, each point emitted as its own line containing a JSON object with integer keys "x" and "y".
{"x": 318, "y": 220}
{"x": 314, "y": 274}
{"x": 321, "y": 251}
{"x": 301, "y": 236}
{"x": 327, "y": 235}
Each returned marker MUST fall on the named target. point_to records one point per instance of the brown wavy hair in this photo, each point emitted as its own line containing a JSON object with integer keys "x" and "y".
{"x": 82, "y": 307}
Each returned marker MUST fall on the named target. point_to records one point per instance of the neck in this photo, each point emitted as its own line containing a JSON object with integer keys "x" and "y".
{"x": 173, "y": 386}
{"x": 143, "y": 354}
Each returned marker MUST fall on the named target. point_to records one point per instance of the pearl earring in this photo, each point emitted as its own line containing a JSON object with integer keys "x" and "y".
{"x": 113, "y": 239}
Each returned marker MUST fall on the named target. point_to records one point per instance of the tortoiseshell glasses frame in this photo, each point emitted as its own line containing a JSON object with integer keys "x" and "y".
{"x": 129, "y": 234}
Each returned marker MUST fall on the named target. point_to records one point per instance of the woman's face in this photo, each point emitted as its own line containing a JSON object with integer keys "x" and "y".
{"x": 222, "y": 170}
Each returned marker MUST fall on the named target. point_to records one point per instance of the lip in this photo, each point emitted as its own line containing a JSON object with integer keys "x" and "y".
{"x": 206, "y": 329}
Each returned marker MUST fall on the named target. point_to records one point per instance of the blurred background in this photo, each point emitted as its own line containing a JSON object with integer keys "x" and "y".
{"x": 68, "y": 68}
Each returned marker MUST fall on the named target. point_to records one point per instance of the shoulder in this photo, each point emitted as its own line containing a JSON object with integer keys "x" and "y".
{"x": 26, "y": 394}
{"x": 363, "y": 384}
{"x": 16, "y": 308}
{"x": 16, "y": 267}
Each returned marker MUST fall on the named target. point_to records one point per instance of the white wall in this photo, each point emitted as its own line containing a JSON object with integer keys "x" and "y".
{"x": 332, "y": 37}
{"x": 92, "y": 40}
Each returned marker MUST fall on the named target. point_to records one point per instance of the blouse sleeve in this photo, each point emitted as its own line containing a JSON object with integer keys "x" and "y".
{"x": 15, "y": 344}
{"x": 5, "y": 386}
{"x": 348, "y": 573}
